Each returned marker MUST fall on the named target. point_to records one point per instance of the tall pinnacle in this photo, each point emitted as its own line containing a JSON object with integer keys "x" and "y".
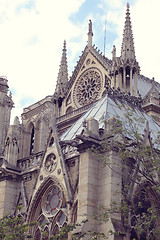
{"x": 127, "y": 50}
{"x": 62, "y": 79}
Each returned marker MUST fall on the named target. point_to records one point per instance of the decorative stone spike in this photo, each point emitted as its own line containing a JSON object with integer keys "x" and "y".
{"x": 127, "y": 49}
{"x": 62, "y": 79}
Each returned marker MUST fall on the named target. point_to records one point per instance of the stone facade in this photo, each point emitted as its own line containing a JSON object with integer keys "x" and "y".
{"x": 45, "y": 165}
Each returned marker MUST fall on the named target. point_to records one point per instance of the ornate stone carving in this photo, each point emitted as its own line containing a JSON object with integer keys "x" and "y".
{"x": 51, "y": 162}
{"x": 88, "y": 87}
{"x": 116, "y": 93}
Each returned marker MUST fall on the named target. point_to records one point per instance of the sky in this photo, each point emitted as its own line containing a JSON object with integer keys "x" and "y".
{"x": 32, "y": 33}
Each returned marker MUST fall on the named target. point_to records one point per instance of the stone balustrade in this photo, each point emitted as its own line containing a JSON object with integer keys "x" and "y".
{"x": 30, "y": 162}
{"x": 74, "y": 113}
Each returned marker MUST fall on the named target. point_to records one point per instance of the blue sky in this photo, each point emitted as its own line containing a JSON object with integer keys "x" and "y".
{"x": 33, "y": 31}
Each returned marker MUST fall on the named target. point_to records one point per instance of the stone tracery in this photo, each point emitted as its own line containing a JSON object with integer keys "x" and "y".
{"x": 88, "y": 87}
{"x": 50, "y": 213}
{"x": 50, "y": 162}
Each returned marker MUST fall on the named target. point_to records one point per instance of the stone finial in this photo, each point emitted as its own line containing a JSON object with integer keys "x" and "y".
{"x": 90, "y": 34}
{"x": 16, "y": 121}
{"x": 114, "y": 52}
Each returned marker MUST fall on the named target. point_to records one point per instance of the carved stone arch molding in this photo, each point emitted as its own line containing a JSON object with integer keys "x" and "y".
{"x": 48, "y": 208}
{"x": 143, "y": 200}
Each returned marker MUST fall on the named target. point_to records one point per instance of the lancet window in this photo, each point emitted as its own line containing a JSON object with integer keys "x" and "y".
{"x": 32, "y": 140}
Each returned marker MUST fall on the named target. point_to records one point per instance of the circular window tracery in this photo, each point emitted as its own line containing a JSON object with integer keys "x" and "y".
{"x": 88, "y": 87}
{"x": 53, "y": 201}
{"x": 50, "y": 162}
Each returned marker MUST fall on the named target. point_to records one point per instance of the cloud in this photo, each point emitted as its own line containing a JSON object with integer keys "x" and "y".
{"x": 32, "y": 34}
{"x": 146, "y": 20}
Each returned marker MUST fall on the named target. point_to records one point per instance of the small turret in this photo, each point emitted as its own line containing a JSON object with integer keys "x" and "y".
{"x": 12, "y": 143}
{"x": 6, "y": 105}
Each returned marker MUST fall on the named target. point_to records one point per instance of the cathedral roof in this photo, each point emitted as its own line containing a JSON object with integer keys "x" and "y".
{"x": 145, "y": 85}
{"x": 109, "y": 107}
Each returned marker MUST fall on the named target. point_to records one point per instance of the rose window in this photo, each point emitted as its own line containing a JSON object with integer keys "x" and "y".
{"x": 88, "y": 87}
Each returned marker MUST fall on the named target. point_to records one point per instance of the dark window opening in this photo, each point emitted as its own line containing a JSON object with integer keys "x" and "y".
{"x": 51, "y": 142}
{"x": 32, "y": 141}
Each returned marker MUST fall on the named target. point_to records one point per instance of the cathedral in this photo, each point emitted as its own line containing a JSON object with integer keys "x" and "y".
{"x": 45, "y": 162}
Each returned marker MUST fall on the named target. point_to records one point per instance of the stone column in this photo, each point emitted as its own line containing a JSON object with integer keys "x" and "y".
{"x": 135, "y": 82}
{"x": 114, "y": 80}
{"x": 124, "y": 79}
{"x": 117, "y": 81}
{"x": 120, "y": 81}
{"x": 131, "y": 76}
{"x": 88, "y": 190}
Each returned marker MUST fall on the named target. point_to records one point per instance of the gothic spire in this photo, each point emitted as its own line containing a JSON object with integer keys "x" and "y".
{"x": 127, "y": 50}
{"x": 62, "y": 79}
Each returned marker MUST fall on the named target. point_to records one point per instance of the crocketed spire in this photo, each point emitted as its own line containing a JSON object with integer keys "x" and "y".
{"x": 127, "y": 50}
{"x": 62, "y": 79}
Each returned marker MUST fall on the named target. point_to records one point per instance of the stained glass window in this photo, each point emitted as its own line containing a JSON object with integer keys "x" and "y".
{"x": 53, "y": 214}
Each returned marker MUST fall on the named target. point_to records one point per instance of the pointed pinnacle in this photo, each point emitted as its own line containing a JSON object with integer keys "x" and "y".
{"x": 63, "y": 71}
{"x": 127, "y": 50}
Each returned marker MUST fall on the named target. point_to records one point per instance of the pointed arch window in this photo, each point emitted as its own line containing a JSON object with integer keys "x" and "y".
{"x": 32, "y": 140}
{"x": 50, "y": 213}
{"x": 51, "y": 143}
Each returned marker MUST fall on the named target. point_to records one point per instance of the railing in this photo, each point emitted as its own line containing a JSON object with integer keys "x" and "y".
{"x": 74, "y": 113}
{"x": 69, "y": 150}
{"x": 151, "y": 101}
{"x": 30, "y": 162}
